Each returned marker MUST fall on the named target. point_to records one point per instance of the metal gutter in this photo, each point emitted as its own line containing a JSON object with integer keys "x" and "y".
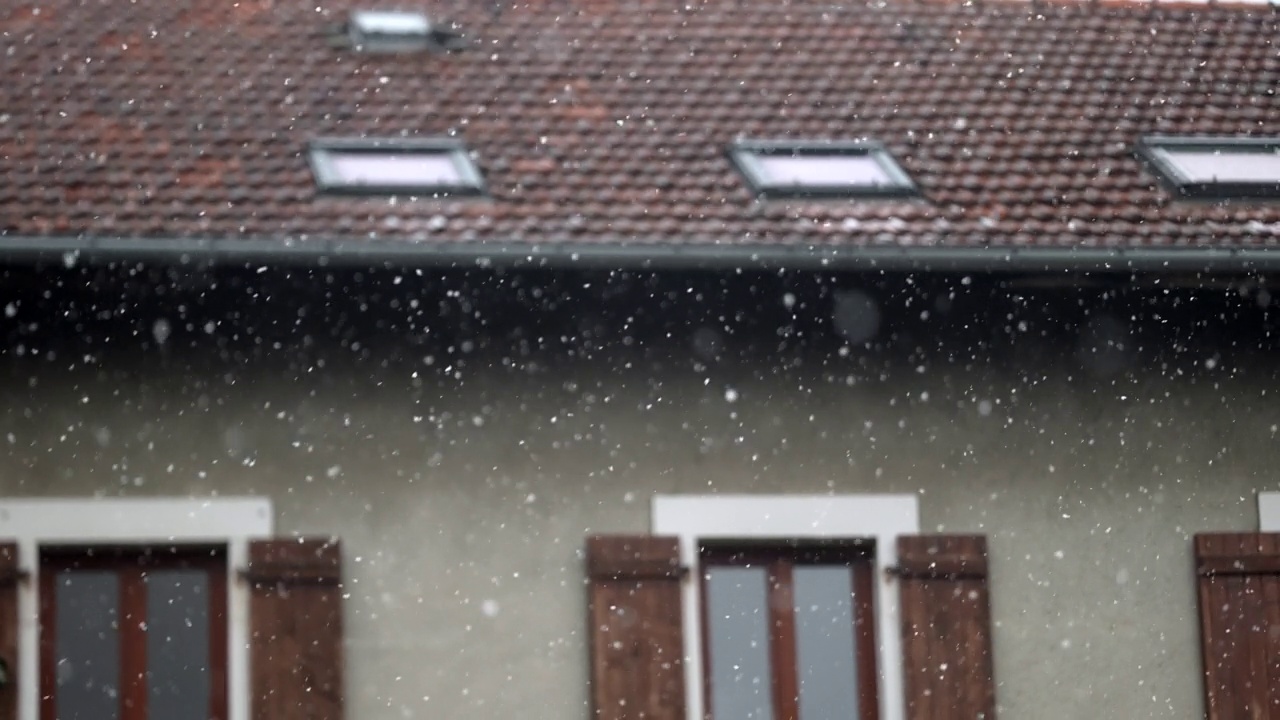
{"x": 636, "y": 256}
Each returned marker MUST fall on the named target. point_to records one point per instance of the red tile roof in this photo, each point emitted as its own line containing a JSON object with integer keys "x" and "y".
{"x": 605, "y": 122}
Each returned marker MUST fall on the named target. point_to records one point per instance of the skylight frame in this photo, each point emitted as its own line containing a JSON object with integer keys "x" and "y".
{"x": 1156, "y": 152}
{"x": 374, "y": 31}
{"x": 329, "y": 178}
{"x": 744, "y": 155}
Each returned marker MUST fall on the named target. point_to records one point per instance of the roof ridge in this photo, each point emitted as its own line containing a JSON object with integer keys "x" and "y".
{"x": 784, "y": 6}
{"x": 500, "y": 7}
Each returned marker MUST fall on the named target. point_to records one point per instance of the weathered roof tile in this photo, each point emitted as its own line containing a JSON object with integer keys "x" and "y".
{"x": 607, "y": 121}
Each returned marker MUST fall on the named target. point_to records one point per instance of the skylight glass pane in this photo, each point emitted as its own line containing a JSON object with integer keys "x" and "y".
{"x": 1225, "y": 165}
{"x": 395, "y": 169}
{"x": 374, "y": 22}
{"x": 825, "y": 170}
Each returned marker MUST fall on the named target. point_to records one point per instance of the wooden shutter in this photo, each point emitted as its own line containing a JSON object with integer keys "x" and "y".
{"x": 635, "y": 629}
{"x": 1239, "y": 590}
{"x": 946, "y": 627}
{"x": 295, "y": 614}
{"x": 10, "y": 574}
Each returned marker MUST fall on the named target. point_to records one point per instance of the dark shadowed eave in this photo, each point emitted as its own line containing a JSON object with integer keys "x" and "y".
{"x": 629, "y": 256}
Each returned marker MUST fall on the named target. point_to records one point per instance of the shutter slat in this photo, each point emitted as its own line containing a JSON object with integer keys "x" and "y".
{"x": 1271, "y": 604}
{"x": 946, "y": 627}
{"x": 1255, "y": 616}
{"x": 1270, "y": 638}
{"x": 1239, "y": 566}
{"x": 296, "y": 657}
{"x": 635, "y": 628}
{"x": 631, "y": 557}
{"x": 1212, "y": 635}
{"x": 10, "y": 574}
{"x": 1239, "y": 595}
{"x": 1239, "y": 645}
{"x": 962, "y": 557}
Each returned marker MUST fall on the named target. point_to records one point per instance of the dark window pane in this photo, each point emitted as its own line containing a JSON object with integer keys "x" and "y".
{"x": 87, "y": 646}
{"x": 825, "y": 643}
{"x": 738, "y": 627}
{"x": 178, "y": 682}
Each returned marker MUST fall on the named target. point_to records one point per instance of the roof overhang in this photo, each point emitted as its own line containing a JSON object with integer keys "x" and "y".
{"x": 636, "y": 256}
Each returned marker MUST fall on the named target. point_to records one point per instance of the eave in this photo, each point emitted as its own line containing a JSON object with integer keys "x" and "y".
{"x": 635, "y": 255}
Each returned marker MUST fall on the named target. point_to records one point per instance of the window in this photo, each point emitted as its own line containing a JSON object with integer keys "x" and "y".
{"x": 195, "y": 544}
{"x": 1215, "y": 168}
{"x": 760, "y": 540}
{"x": 822, "y": 170}
{"x": 789, "y": 630}
{"x": 789, "y": 607}
{"x": 438, "y": 167}
{"x": 133, "y": 633}
{"x": 388, "y": 31}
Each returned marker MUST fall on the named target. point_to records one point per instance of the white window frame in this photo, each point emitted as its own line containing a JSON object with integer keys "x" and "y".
{"x": 746, "y": 155}
{"x": 388, "y": 31}
{"x": 693, "y": 518}
{"x": 1160, "y": 154}
{"x": 329, "y": 179}
{"x": 37, "y": 523}
{"x": 1269, "y": 512}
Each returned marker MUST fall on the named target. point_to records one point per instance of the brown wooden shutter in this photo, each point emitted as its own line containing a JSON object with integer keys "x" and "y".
{"x": 634, "y": 628}
{"x": 10, "y": 574}
{"x": 946, "y": 627}
{"x": 1239, "y": 590}
{"x": 295, "y": 614}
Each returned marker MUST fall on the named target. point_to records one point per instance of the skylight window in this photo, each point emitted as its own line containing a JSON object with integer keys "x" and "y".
{"x": 389, "y": 31}
{"x": 395, "y": 167}
{"x": 1215, "y": 168}
{"x": 831, "y": 170}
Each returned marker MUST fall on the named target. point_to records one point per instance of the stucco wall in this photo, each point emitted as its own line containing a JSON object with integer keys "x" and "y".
{"x": 463, "y": 493}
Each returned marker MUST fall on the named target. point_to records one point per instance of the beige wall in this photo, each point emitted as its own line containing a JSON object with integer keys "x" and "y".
{"x": 463, "y": 499}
